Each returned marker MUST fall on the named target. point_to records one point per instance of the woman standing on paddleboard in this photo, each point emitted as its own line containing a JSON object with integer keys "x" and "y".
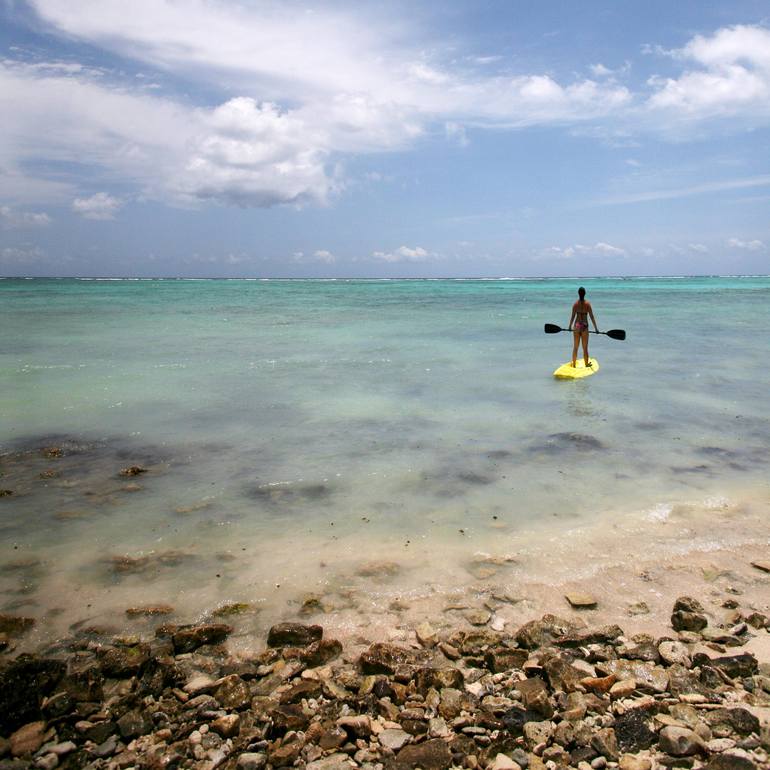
{"x": 578, "y": 322}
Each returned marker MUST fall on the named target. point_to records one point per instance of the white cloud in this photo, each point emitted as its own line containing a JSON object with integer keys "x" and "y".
{"x": 738, "y": 243}
{"x": 255, "y": 155}
{"x": 600, "y": 248}
{"x": 322, "y": 255}
{"x": 732, "y": 77}
{"x": 600, "y": 71}
{"x": 300, "y": 87}
{"x": 698, "y": 247}
{"x": 405, "y": 254}
{"x": 99, "y": 206}
{"x": 683, "y": 192}
{"x": 455, "y": 132}
{"x": 11, "y": 219}
{"x": 21, "y": 255}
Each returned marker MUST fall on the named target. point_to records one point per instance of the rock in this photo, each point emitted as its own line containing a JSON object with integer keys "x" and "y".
{"x": 536, "y": 733}
{"x": 133, "y": 470}
{"x": 688, "y": 615}
{"x": 434, "y": 754}
{"x": 438, "y": 728}
{"x": 426, "y": 635}
{"x": 360, "y": 726}
{"x": 478, "y": 617}
{"x": 289, "y": 717}
{"x": 602, "y": 635}
{"x": 332, "y": 738}
{"x": 438, "y": 679}
{"x": 15, "y": 625}
{"x": 734, "y": 666}
{"x": 199, "y": 684}
{"x": 106, "y": 748}
{"x": 189, "y": 638}
{"x": 251, "y": 761}
{"x": 99, "y": 732}
{"x": 599, "y": 684}
{"x": 24, "y": 682}
{"x": 540, "y": 633}
{"x": 123, "y": 661}
{"x": 332, "y": 762}
{"x": 623, "y": 689}
{"x": 232, "y": 692}
{"x": 133, "y": 723}
{"x": 504, "y": 659}
{"x": 63, "y": 748}
{"x": 674, "y": 652}
{"x": 394, "y": 739}
{"x": 534, "y": 696}
{"x": 680, "y": 742}
{"x": 632, "y": 731}
{"x": 293, "y": 635}
{"x": 761, "y": 565}
{"x": 503, "y": 762}
{"x": 151, "y": 610}
{"x": 561, "y": 673}
{"x": 638, "y": 608}
{"x": 604, "y": 743}
{"x": 285, "y": 755}
{"x": 383, "y": 658}
{"x": 47, "y": 762}
{"x": 320, "y": 652}
{"x": 515, "y": 718}
{"x": 304, "y": 688}
{"x": 581, "y": 601}
{"x": 27, "y": 739}
{"x": 730, "y": 761}
{"x": 449, "y": 650}
{"x": 648, "y": 676}
{"x": 232, "y": 609}
{"x": 724, "y": 721}
{"x": 630, "y": 762}
{"x": 227, "y": 726}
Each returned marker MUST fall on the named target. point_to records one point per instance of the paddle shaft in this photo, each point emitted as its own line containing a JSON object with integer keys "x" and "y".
{"x": 615, "y": 334}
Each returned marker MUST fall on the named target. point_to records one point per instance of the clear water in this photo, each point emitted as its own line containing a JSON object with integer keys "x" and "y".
{"x": 295, "y": 429}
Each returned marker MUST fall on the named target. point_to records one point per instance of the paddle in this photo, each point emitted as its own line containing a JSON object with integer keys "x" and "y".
{"x": 616, "y": 334}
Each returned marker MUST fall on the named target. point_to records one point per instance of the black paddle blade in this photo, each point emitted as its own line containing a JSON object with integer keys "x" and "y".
{"x": 616, "y": 334}
{"x": 552, "y": 328}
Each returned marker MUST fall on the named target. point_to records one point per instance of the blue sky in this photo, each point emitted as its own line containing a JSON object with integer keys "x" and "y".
{"x": 213, "y": 138}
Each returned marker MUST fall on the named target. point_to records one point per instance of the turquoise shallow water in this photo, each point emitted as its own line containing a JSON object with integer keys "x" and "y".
{"x": 287, "y": 425}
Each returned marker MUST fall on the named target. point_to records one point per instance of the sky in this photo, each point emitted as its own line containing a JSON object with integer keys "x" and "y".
{"x": 476, "y": 138}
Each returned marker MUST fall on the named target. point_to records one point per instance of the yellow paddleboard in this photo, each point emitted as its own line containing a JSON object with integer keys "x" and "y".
{"x": 568, "y": 372}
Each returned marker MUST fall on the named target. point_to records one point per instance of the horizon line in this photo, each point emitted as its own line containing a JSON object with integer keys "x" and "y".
{"x": 372, "y": 278}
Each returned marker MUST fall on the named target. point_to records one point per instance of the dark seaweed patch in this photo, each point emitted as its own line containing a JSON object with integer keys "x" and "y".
{"x": 692, "y": 469}
{"x": 469, "y": 477}
{"x": 568, "y": 442}
{"x": 288, "y": 494}
{"x": 499, "y": 454}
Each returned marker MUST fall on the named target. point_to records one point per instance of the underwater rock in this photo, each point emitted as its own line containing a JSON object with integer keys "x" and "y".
{"x": 15, "y": 625}
{"x": 133, "y": 470}
{"x": 293, "y": 635}
{"x": 379, "y": 569}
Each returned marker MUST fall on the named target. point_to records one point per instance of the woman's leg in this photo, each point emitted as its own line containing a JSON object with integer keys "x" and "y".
{"x": 584, "y": 337}
{"x": 575, "y": 343}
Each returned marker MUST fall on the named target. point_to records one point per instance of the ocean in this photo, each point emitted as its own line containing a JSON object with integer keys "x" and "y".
{"x": 346, "y": 445}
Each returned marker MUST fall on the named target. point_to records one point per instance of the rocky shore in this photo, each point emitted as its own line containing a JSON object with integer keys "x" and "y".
{"x": 553, "y": 694}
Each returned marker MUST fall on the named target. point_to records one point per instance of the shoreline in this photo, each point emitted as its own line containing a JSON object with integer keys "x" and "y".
{"x": 634, "y": 567}
{"x": 553, "y": 692}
